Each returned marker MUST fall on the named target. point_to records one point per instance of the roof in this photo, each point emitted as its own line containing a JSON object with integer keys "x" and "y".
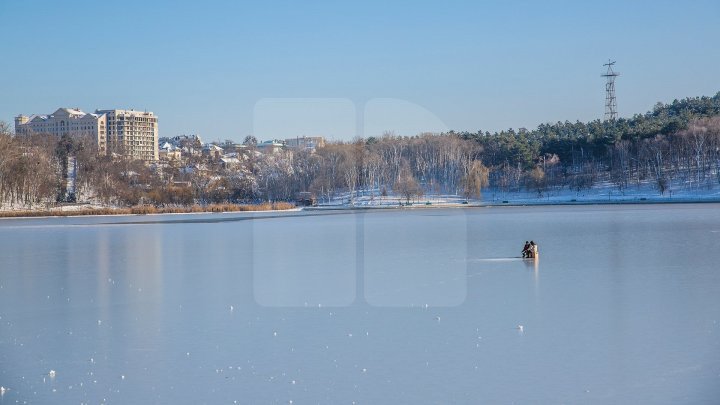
{"x": 125, "y": 112}
{"x": 37, "y": 117}
{"x": 69, "y": 111}
{"x": 75, "y": 111}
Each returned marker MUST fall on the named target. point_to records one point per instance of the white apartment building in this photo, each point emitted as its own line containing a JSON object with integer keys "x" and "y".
{"x": 305, "y": 142}
{"x": 125, "y": 132}
{"x": 132, "y": 133}
{"x": 66, "y": 121}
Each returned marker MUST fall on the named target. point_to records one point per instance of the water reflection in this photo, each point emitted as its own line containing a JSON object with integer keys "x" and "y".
{"x": 534, "y": 267}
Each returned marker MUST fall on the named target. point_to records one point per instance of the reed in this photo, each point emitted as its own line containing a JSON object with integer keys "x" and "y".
{"x": 150, "y": 209}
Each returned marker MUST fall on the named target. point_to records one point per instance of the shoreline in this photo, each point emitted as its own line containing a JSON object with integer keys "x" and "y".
{"x": 127, "y": 212}
{"x": 642, "y": 201}
{"x": 145, "y": 211}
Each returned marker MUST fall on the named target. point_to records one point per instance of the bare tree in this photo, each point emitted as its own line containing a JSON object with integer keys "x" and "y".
{"x": 406, "y": 185}
{"x": 350, "y": 169}
{"x": 476, "y": 180}
{"x": 537, "y": 180}
{"x": 653, "y": 151}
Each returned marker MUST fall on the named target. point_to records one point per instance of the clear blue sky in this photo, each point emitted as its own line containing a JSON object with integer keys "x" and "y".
{"x": 212, "y": 67}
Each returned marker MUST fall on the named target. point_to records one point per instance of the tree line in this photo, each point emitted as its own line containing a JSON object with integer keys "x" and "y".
{"x": 676, "y": 142}
{"x": 673, "y": 142}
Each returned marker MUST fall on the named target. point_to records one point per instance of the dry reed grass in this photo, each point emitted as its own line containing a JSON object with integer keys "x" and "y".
{"x": 151, "y": 209}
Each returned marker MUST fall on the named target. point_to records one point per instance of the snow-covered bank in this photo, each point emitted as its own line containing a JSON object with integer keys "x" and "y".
{"x": 601, "y": 194}
{"x": 607, "y": 193}
{"x": 516, "y": 203}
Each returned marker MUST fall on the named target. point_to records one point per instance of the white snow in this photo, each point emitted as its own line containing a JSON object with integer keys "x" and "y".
{"x": 601, "y": 192}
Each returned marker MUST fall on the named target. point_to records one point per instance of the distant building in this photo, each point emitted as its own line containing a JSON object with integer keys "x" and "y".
{"x": 132, "y": 133}
{"x": 213, "y": 151}
{"x": 187, "y": 140}
{"x": 305, "y": 142}
{"x": 187, "y": 144}
{"x": 305, "y": 199}
{"x": 66, "y": 121}
{"x": 169, "y": 151}
{"x": 229, "y": 162}
{"x": 274, "y": 146}
{"x": 126, "y": 132}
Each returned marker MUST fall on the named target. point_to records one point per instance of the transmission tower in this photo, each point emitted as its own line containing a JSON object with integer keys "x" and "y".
{"x": 610, "y": 102}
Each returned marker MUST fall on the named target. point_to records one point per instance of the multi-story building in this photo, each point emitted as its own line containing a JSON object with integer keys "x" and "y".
{"x": 271, "y": 147}
{"x": 132, "y": 133}
{"x": 66, "y": 121}
{"x": 305, "y": 142}
{"x": 125, "y": 132}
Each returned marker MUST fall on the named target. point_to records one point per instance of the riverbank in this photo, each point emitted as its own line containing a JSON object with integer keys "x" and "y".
{"x": 517, "y": 202}
{"x": 82, "y": 210}
{"x": 386, "y": 204}
{"x": 509, "y": 204}
{"x": 604, "y": 193}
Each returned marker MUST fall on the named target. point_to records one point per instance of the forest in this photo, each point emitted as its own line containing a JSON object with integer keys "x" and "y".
{"x": 676, "y": 143}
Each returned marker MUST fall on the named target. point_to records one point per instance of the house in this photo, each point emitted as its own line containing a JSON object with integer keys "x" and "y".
{"x": 229, "y": 162}
{"x": 305, "y": 142}
{"x": 169, "y": 151}
{"x": 271, "y": 147}
{"x": 212, "y": 151}
{"x": 305, "y": 199}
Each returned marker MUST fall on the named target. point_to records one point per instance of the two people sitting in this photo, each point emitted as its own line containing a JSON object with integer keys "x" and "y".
{"x": 530, "y": 250}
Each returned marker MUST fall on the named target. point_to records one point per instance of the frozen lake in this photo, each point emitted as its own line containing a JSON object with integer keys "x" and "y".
{"x": 419, "y": 306}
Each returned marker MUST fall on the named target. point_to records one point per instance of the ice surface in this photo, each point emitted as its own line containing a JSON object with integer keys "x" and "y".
{"x": 376, "y": 307}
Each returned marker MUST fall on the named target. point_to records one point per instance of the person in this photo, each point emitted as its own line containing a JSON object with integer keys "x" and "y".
{"x": 533, "y": 249}
{"x": 526, "y": 250}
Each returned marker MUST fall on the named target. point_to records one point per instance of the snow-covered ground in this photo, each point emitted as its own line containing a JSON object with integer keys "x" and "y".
{"x": 606, "y": 193}
{"x": 601, "y": 193}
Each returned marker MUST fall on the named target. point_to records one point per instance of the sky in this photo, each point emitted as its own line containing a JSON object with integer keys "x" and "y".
{"x": 341, "y": 69}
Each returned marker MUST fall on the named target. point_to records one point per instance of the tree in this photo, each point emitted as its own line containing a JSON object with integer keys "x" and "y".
{"x": 350, "y": 176}
{"x": 407, "y": 186}
{"x": 476, "y": 179}
{"x": 654, "y": 153}
{"x": 372, "y": 165}
{"x": 537, "y": 180}
{"x": 620, "y": 164}
{"x": 250, "y": 141}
